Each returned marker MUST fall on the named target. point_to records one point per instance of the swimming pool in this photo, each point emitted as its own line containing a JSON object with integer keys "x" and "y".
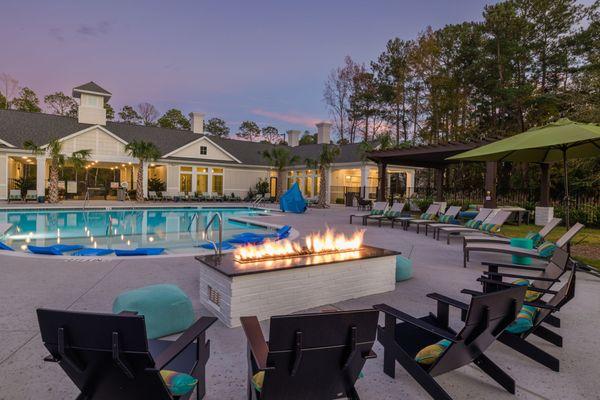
{"x": 178, "y": 229}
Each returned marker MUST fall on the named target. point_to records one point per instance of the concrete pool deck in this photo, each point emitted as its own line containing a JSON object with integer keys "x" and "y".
{"x": 26, "y": 284}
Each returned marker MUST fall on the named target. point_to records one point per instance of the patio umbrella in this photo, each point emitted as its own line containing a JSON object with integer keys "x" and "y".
{"x": 558, "y": 141}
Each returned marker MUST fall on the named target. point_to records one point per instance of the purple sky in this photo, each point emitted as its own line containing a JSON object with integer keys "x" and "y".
{"x": 259, "y": 60}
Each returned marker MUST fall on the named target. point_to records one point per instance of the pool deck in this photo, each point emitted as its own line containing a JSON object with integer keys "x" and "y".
{"x": 27, "y": 284}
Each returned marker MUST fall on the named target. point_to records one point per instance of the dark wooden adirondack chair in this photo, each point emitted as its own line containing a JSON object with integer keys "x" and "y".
{"x": 108, "y": 357}
{"x": 546, "y": 310}
{"x": 485, "y": 319}
{"x": 542, "y": 279}
{"x": 310, "y": 356}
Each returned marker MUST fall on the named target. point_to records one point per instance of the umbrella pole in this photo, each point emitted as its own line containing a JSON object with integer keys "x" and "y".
{"x": 566, "y": 205}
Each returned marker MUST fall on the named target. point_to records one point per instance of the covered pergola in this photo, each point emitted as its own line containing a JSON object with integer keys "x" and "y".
{"x": 435, "y": 156}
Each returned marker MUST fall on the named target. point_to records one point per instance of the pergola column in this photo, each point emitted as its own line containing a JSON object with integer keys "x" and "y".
{"x": 40, "y": 186}
{"x": 382, "y": 177}
{"x": 491, "y": 168}
{"x": 364, "y": 180}
{"x": 439, "y": 184}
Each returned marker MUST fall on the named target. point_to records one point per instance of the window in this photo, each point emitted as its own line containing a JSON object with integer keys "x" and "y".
{"x": 202, "y": 170}
{"x": 202, "y": 183}
{"x": 203, "y": 150}
{"x": 185, "y": 183}
{"x": 217, "y": 170}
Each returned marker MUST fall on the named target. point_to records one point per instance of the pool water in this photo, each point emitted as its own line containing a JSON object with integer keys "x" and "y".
{"x": 179, "y": 230}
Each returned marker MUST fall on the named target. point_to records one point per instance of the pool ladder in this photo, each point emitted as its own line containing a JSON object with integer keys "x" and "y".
{"x": 218, "y": 247}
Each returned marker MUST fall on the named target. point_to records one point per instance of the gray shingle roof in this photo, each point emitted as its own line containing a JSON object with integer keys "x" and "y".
{"x": 18, "y": 126}
{"x": 90, "y": 87}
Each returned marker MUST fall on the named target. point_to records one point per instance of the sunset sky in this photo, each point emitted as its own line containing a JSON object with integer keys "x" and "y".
{"x": 260, "y": 60}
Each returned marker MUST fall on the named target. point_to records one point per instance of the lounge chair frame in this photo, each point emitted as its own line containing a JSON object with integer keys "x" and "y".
{"x": 108, "y": 356}
{"x": 546, "y": 229}
{"x": 482, "y": 215}
{"x": 310, "y": 356}
{"x": 485, "y": 319}
{"x": 497, "y": 218}
{"x": 379, "y": 205}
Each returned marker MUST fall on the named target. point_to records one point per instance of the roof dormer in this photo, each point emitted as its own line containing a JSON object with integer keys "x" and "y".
{"x": 91, "y": 103}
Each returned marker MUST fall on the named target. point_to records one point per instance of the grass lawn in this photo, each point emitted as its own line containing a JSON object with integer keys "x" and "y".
{"x": 586, "y": 245}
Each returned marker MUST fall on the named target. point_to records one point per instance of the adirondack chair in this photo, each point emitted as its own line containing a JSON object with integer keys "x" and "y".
{"x": 309, "y": 356}
{"x": 485, "y": 319}
{"x": 108, "y": 357}
{"x": 545, "y": 314}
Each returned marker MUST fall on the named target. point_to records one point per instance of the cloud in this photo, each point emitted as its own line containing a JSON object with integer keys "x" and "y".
{"x": 57, "y": 33}
{"x": 291, "y": 118}
{"x": 101, "y": 28}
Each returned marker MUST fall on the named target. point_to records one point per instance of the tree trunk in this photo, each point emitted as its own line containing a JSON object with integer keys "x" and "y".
{"x": 53, "y": 188}
{"x": 322, "y": 203}
{"x": 139, "y": 185}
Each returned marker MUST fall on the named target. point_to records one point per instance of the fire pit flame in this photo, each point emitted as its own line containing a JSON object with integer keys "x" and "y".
{"x": 315, "y": 244}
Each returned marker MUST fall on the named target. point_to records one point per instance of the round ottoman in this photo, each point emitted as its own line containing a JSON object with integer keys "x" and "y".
{"x": 166, "y": 308}
{"x": 404, "y": 268}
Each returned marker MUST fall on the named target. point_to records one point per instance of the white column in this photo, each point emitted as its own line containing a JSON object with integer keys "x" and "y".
{"x": 364, "y": 179}
{"x": 194, "y": 180}
{"x": 328, "y": 191}
{"x": 41, "y": 175}
{"x": 3, "y": 177}
{"x": 145, "y": 180}
{"x": 209, "y": 187}
{"x": 410, "y": 183}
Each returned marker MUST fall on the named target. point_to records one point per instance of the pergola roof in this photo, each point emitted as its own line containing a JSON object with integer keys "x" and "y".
{"x": 426, "y": 156}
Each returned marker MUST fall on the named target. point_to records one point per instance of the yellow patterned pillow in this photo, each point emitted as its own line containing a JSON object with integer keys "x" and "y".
{"x": 428, "y": 355}
{"x": 257, "y": 380}
{"x": 530, "y": 295}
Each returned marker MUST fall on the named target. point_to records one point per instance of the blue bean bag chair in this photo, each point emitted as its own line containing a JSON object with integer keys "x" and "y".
{"x": 404, "y": 268}
{"x": 4, "y": 246}
{"x": 293, "y": 201}
{"x": 166, "y": 308}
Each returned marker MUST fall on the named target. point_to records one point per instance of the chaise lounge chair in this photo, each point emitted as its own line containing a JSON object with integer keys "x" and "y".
{"x": 481, "y": 216}
{"x": 426, "y": 217}
{"x": 491, "y": 225}
{"x": 388, "y": 215}
{"x": 537, "y": 237}
{"x": 309, "y": 356}
{"x": 446, "y": 218}
{"x": 140, "y": 251}
{"x": 152, "y": 196}
{"x": 31, "y": 195}
{"x": 378, "y": 209}
{"x": 426, "y": 347}
{"x": 108, "y": 356}
{"x": 544, "y": 251}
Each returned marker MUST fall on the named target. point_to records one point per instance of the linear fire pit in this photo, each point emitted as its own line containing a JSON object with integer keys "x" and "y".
{"x": 288, "y": 284}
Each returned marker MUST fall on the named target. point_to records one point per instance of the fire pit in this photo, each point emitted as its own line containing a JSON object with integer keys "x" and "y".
{"x": 284, "y": 277}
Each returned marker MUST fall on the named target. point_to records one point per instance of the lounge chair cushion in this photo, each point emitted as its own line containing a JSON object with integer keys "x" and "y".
{"x": 178, "y": 383}
{"x": 535, "y": 237}
{"x": 446, "y": 219}
{"x": 490, "y": 227}
{"x": 166, "y": 308}
{"x": 546, "y": 249}
{"x": 426, "y": 216}
{"x": 530, "y": 295}
{"x": 524, "y": 320}
{"x": 257, "y": 380}
{"x": 428, "y": 355}
{"x": 472, "y": 224}
{"x": 391, "y": 214}
{"x": 377, "y": 212}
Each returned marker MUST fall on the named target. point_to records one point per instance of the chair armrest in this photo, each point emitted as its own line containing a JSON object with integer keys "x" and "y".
{"x": 533, "y": 278}
{"x": 472, "y": 292}
{"x": 183, "y": 341}
{"x": 533, "y": 288}
{"x": 541, "y": 305}
{"x": 256, "y": 341}
{"x": 447, "y": 300}
{"x": 513, "y": 266}
{"x": 419, "y": 323}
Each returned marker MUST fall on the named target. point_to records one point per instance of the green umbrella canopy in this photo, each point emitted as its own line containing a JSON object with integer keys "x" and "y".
{"x": 541, "y": 144}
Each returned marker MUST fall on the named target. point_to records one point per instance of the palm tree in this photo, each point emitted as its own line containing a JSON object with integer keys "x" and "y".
{"x": 78, "y": 159}
{"x": 328, "y": 155}
{"x": 54, "y": 151}
{"x": 144, "y": 152}
{"x": 280, "y": 158}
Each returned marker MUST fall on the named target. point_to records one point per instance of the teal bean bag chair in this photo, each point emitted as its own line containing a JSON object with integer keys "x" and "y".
{"x": 404, "y": 268}
{"x": 166, "y": 308}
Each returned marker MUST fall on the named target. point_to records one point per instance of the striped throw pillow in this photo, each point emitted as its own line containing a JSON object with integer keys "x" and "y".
{"x": 530, "y": 295}
{"x": 546, "y": 249}
{"x": 535, "y": 237}
{"x": 472, "y": 224}
{"x": 524, "y": 320}
{"x": 446, "y": 219}
{"x": 428, "y": 355}
{"x": 178, "y": 383}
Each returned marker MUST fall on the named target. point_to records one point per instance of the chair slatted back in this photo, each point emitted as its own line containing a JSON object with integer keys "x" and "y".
{"x": 398, "y": 206}
{"x": 105, "y": 355}
{"x": 500, "y": 217}
{"x": 483, "y": 214}
{"x": 562, "y": 296}
{"x": 488, "y": 315}
{"x": 569, "y": 235}
{"x": 380, "y": 205}
{"x": 555, "y": 269}
{"x": 546, "y": 229}
{"x": 433, "y": 208}
{"x": 316, "y": 356}
{"x": 452, "y": 211}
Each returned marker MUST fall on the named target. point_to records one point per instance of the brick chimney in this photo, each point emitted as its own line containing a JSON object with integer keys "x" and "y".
{"x": 324, "y": 132}
{"x": 293, "y": 138}
{"x": 197, "y": 122}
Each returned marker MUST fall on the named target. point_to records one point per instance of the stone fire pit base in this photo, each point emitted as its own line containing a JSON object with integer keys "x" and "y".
{"x": 288, "y": 290}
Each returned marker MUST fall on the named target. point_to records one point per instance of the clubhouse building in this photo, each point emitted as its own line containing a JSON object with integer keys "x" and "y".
{"x": 191, "y": 161}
